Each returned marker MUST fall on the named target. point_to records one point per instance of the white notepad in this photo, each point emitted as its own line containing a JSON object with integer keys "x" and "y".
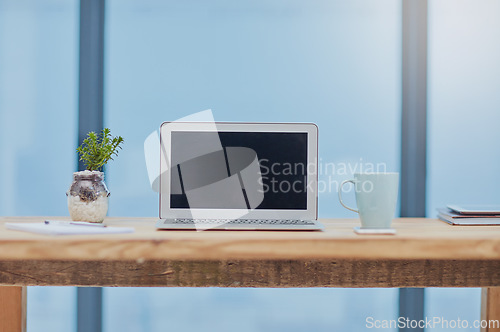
{"x": 60, "y": 229}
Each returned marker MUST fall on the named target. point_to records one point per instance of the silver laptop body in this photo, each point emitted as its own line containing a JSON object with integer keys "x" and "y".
{"x": 238, "y": 176}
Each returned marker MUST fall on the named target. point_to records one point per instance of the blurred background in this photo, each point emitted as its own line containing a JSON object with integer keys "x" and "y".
{"x": 332, "y": 62}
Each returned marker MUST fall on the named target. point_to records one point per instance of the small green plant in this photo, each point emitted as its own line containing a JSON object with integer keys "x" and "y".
{"x": 97, "y": 149}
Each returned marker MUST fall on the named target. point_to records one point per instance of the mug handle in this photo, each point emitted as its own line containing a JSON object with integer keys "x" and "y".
{"x": 340, "y": 195}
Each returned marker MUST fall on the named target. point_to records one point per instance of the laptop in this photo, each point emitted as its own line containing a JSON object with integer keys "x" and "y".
{"x": 238, "y": 176}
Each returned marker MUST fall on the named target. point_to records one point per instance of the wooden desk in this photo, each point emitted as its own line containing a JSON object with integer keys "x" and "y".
{"x": 424, "y": 253}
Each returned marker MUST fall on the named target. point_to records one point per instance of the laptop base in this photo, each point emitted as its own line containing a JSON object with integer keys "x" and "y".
{"x": 239, "y": 224}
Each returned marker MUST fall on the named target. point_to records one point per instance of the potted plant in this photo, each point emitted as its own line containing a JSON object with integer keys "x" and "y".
{"x": 88, "y": 194}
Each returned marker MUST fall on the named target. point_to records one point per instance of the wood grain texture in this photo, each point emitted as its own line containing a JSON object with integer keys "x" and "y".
{"x": 248, "y": 273}
{"x": 490, "y": 309}
{"x": 12, "y": 309}
{"x": 415, "y": 239}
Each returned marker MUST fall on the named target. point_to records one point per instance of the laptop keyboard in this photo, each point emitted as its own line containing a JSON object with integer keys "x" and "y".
{"x": 183, "y": 221}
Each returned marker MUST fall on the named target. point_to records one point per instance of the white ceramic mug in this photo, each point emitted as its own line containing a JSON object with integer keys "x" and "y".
{"x": 376, "y": 197}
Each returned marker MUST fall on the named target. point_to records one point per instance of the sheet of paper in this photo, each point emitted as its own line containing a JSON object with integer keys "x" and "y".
{"x": 54, "y": 229}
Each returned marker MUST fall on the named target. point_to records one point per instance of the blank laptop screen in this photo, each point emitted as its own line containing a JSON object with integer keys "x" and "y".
{"x": 238, "y": 170}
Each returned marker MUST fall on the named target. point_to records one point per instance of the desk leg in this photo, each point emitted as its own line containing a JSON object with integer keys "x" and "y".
{"x": 490, "y": 309}
{"x": 12, "y": 309}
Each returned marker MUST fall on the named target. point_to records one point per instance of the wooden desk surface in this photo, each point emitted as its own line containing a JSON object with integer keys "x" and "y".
{"x": 417, "y": 238}
{"x": 424, "y": 253}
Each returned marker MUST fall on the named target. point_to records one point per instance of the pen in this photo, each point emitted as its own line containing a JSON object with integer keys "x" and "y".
{"x": 78, "y": 223}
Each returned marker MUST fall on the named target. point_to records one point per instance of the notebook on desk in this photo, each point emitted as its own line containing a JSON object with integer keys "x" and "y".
{"x": 238, "y": 176}
{"x": 453, "y": 217}
{"x": 65, "y": 229}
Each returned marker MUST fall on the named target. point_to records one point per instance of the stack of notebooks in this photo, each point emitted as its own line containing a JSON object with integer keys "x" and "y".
{"x": 465, "y": 215}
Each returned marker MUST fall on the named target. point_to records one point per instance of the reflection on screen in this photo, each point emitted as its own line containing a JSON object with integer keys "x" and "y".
{"x": 239, "y": 170}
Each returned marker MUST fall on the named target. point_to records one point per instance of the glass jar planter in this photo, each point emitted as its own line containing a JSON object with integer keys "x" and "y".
{"x": 88, "y": 197}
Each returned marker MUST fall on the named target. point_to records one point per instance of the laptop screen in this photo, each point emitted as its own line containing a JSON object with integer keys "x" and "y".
{"x": 239, "y": 170}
